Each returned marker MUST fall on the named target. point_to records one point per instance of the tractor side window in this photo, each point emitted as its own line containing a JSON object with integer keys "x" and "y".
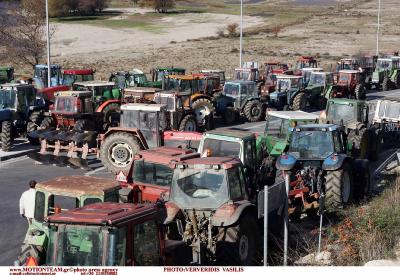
{"x": 91, "y": 201}
{"x": 21, "y": 100}
{"x": 88, "y": 105}
{"x": 62, "y": 202}
{"x": 146, "y": 246}
{"x": 111, "y": 197}
{"x": 39, "y": 206}
{"x": 337, "y": 142}
{"x": 235, "y": 187}
{"x": 248, "y": 153}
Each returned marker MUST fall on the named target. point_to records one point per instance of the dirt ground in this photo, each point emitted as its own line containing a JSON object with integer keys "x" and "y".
{"x": 334, "y": 32}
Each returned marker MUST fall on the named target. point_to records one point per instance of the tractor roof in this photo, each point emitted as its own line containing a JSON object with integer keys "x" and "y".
{"x": 164, "y": 155}
{"x": 74, "y": 93}
{"x": 183, "y": 77}
{"x": 141, "y": 90}
{"x": 75, "y": 186}
{"x": 246, "y": 69}
{"x": 345, "y": 101}
{"x": 312, "y": 69}
{"x": 241, "y": 134}
{"x": 212, "y": 71}
{"x": 285, "y": 76}
{"x": 94, "y": 83}
{"x": 143, "y": 107}
{"x": 316, "y": 127}
{"x": 170, "y": 69}
{"x": 209, "y": 162}
{"x": 106, "y": 213}
{"x": 322, "y": 73}
{"x": 242, "y": 82}
{"x": 273, "y": 62}
{"x": 349, "y": 71}
{"x": 52, "y": 66}
{"x": 294, "y": 115}
{"x": 79, "y": 72}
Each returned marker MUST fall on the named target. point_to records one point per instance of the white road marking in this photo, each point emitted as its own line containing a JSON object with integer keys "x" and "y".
{"x": 95, "y": 171}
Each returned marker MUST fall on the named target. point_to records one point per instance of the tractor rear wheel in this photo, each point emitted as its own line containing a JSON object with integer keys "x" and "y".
{"x": 237, "y": 245}
{"x": 118, "y": 150}
{"x": 35, "y": 119}
{"x": 83, "y": 125}
{"x": 360, "y": 143}
{"x": 397, "y": 84}
{"x": 111, "y": 115}
{"x": 202, "y": 107}
{"x": 253, "y": 110}
{"x": 230, "y": 116}
{"x": 188, "y": 124}
{"x": 300, "y": 102}
{"x": 47, "y": 122}
{"x": 6, "y": 135}
{"x": 338, "y": 188}
{"x": 386, "y": 84}
{"x": 360, "y": 92}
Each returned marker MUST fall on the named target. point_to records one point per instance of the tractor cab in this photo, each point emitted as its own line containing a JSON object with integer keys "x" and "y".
{"x": 40, "y": 76}
{"x": 275, "y": 67}
{"x": 181, "y": 83}
{"x": 72, "y": 76}
{"x": 236, "y": 94}
{"x": 107, "y": 234}
{"x": 158, "y": 74}
{"x": 307, "y": 72}
{"x": 101, "y": 90}
{"x": 306, "y": 62}
{"x": 209, "y": 83}
{"x": 345, "y": 112}
{"x": 348, "y": 64}
{"x": 247, "y": 74}
{"x": 18, "y": 100}
{"x": 73, "y": 103}
{"x": 219, "y": 73}
{"x": 57, "y": 196}
{"x": 286, "y": 83}
{"x": 6, "y": 74}
{"x": 348, "y": 78}
{"x": 320, "y": 79}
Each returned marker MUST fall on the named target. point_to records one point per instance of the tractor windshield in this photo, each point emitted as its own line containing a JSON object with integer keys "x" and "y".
{"x": 152, "y": 173}
{"x": 177, "y": 84}
{"x": 283, "y": 84}
{"x": 244, "y": 75}
{"x": 384, "y": 64}
{"x": 277, "y": 127}
{"x": 343, "y": 78}
{"x": 312, "y": 144}
{"x": 317, "y": 79}
{"x": 341, "y": 112}
{"x": 7, "y": 99}
{"x": 137, "y": 80}
{"x": 199, "y": 188}
{"x": 69, "y": 79}
{"x": 232, "y": 89}
{"x": 220, "y": 148}
{"x": 66, "y": 104}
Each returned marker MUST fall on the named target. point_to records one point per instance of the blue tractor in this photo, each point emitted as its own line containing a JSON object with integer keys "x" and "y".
{"x": 21, "y": 111}
{"x": 240, "y": 98}
{"x": 289, "y": 94}
{"x": 40, "y": 76}
{"x": 321, "y": 169}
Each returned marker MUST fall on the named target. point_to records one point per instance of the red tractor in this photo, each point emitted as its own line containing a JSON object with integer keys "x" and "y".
{"x": 72, "y": 76}
{"x": 305, "y": 62}
{"x": 349, "y": 84}
{"x": 150, "y": 175}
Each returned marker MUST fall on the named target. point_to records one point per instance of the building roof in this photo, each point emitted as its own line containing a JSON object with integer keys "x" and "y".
{"x": 295, "y": 115}
{"x": 106, "y": 213}
{"x": 76, "y": 186}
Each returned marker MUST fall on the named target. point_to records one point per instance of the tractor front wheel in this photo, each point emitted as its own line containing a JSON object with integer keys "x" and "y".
{"x": 386, "y": 84}
{"x": 35, "y": 119}
{"x": 300, "y": 102}
{"x": 188, "y": 124}
{"x": 338, "y": 188}
{"x": 237, "y": 245}
{"x": 47, "y": 122}
{"x": 360, "y": 92}
{"x": 203, "y": 108}
{"x": 6, "y": 135}
{"x": 253, "y": 111}
{"x": 118, "y": 150}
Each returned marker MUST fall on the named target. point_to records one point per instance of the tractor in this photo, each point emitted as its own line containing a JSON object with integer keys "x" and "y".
{"x": 320, "y": 171}
{"x": 250, "y": 74}
{"x": 271, "y": 70}
{"x": 352, "y": 115}
{"x": 135, "y": 78}
{"x": 182, "y": 118}
{"x": 306, "y": 73}
{"x": 200, "y": 99}
{"x": 21, "y": 112}
{"x": 150, "y": 175}
{"x": 289, "y": 93}
{"x": 386, "y": 121}
{"x": 319, "y": 84}
{"x": 387, "y": 73}
{"x": 72, "y": 76}
{"x": 350, "y": 84}
{"x": 142, "y": 126}
{"x": 58, "y": 195}
{"x": 40, "y": 76}
{"x": 305, "y": 62}
{"x": 364, "y": 64}
{"x": 112, "y": 234}
{"x": 158, "y": 74}
{"x": 6, "y": 74}
{"x": 211, "y": 209}
{"x": 219, "y": 73}
{"x": 240, "y": 98}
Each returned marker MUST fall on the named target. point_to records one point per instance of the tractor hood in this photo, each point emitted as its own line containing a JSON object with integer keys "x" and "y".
{"x": 5, "y": 114}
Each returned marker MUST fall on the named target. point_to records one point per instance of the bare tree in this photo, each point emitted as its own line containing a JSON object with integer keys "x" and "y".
{"x": 161, "y": 6}
{"x": 22, "y": 32}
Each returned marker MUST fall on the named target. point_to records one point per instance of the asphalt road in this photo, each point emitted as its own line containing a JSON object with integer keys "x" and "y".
{"x": 15, "y": 174}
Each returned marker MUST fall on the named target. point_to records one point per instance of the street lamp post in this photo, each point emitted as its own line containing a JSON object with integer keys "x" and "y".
{"x": 241, "y": 33}
{"x": 48, "y": 46}
{"x": 378, "y": 29}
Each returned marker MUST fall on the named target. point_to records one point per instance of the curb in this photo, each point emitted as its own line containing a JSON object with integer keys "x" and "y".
{"x": 18, "y": 154}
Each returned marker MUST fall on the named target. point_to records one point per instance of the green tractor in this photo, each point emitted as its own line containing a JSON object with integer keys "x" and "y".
{"x": 387, "y": 73}
{"x": 56, "y": 196}
{"x": 6, "y": 74}
{"x": 318, "y": 86}
{"x": 352, "y": 115}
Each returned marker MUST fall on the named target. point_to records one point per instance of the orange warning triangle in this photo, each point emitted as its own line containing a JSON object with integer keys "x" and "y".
{"x": 31, "y": 261}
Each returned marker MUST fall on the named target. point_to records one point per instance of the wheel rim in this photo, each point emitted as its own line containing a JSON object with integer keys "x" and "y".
{"x": 346, "y": 187}
{"x": 255, "y": 111}
{"x": 190, "y": 126}
{"x": 121, "y": 154}
{"x": 201, "y": 113}
{"x": 243, "y": 248}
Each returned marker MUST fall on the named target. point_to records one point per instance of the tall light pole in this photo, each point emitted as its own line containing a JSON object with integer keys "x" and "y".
{"x": 241, "y": 33}
{"x": 378, "y": 29}
{"x": 48, "y": 46}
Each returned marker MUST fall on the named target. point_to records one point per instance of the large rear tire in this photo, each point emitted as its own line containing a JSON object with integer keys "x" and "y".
{"x": 202, "y": 107}
{"x": 118, "y": 150}
{"x": 35, "y": 120}
{"x": 6, "y": 135}
{"x": 188, "y": 124}
{"x": 253, "y": 110}
{"x": 47, "y": 122}
{"x": 338, "y": 188}
{"x": 300, "y": 102}
{"x": 237, "y": 245}
{"x": 111, "y": 115}
{"x": 386, "y": 84}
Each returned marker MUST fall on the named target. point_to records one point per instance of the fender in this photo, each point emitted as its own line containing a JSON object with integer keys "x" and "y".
{"x": 286, "y": 162}
{"x": 293, "y": 94}
{"x": 36, "y": 235}
{"x": 106, "y": 103}
{"x": 135, "y": 131}
{"x": 334, "y": 162}
{"x": 250, "y": 98}
{"x": 229, "y": 214}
